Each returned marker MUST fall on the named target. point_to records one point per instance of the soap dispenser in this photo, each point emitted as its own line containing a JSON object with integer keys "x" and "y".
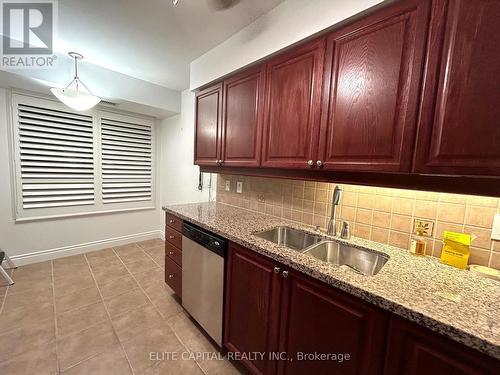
{"x": 418, "y": 242}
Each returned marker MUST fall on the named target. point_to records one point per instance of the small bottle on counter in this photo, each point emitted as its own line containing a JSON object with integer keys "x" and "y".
{"x": 418, "y": 242}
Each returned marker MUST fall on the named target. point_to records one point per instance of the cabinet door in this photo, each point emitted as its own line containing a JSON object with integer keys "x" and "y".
{"x": 208, "y": 125}
{"x": 242, "y": 119}
{"x": 251, "y": 306}
{"x": 413, "y": 350}
{"x": 318, "y": 318}
{"x": 292, "y": 115}
{"x": 459, "y": 130}
{"x": 373, "y": 73}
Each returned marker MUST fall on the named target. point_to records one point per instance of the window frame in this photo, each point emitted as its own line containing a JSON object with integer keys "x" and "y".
{"x": 25, "y": 215}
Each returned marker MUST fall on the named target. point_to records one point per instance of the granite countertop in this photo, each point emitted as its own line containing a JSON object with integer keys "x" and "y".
{"x": 453, "y": 302}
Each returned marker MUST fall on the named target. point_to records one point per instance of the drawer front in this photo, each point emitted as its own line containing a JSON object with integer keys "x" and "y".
{"x": 174, "y": 237}
{"x": 173, "y": 276}
{"x": 174, "y": 222}
{"x": 173, "y": 253}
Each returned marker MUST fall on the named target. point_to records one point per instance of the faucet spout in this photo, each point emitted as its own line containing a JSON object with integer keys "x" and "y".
{"x": 332, "y": 223}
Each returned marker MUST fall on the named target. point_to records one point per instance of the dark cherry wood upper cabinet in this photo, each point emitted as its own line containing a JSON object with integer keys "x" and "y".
{"x": 242, "y": 119}
{"x": 319, "y": 318}
{"x": 208, "y": 125}
{"x": 372, "y": 74}
{"x": 251, "y": 306}
{"x": 459, "y": 130}
{"x": 292, "y": 110}
{"x": 413, "y": 350}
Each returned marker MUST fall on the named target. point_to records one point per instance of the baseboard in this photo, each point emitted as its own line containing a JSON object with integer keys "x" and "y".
{"x": 40, "y": 256}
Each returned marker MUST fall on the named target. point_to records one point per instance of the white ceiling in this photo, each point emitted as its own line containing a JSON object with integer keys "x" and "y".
{"x": 151, "y": 40}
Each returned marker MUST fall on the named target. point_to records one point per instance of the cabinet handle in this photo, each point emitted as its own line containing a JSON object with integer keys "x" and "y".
{"x": 170, "y": 276}
{"x": 171, "y": 237}
{"x": 284, "y": 274}
{"x": 277, "y": 270}
{"x": 310, "y": 163}
{"x": 171, "y": 221}
{"x": 219, "y": 162}
{"x": 319, "y": 163}
{"x": 171, "y": 252}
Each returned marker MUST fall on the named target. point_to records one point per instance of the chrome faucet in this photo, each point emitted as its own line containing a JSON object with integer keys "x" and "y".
{"x": 332, "y": 223}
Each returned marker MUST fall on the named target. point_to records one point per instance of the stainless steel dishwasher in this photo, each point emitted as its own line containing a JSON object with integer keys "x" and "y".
{"x": 203, "y": 261}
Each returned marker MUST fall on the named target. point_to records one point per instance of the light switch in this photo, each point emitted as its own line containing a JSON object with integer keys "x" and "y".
{"x": 239, "y": 187}
{"x": 228, "y": 185}
{"x": 495, "y": 231}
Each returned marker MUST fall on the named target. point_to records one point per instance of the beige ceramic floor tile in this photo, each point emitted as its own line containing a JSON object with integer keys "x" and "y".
{"x": 29, "y": 286}
{"x": 126, "y": 301}
{"x": 77, "y": 299}
{"x": 149, "y": 276}
{"x": 105, "y": 275}
{"x": 26, "y": 338}
{"x": 151, "y": 243}
{"x": 111, "y": 362}
{"x": 157, "y": 290}
{"x": 70, "y": 285}
{"x": 71, "y": 273}
{"x": 168, "y": 306}
{"x": 100, "y": 255}
{"x": 126, "y": 249}
{"x": 156, "y": 253}
{"x": 142, "y": 265}
{"x": 37, "y": 271}
{"x": 135, "y": 322}
{"x": 132, "y": 256}
{"x": 174, "y": 367}
{"x": 84, "y": 345}
{"x": 118, "y": 286}
{"x": 39, "y": 361}
{"x": 113, "y": 261}
{"x": 79, "y": 319}
{"x": 154, "y": 340}
{"x": 70, "y": 261}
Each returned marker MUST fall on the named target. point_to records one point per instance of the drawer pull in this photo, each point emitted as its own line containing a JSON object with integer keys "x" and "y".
{"x": 277, "y": 270}
{"x": 171, "y": 252}
{"x": 170, "y": 276}
{"x": 285, "y": 274}
{"x": 171, "y": 221}
{"x": 171, "y": 237}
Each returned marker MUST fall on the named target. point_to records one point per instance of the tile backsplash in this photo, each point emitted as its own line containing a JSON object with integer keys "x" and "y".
{"x": 378, "y": 214}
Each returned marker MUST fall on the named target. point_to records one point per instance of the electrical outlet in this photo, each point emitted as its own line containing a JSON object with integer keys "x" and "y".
{"x": 228, "y": 185}
{"x": 495, "y": 231}
{"x": 427, "y": 225}
{"x": 239, "y": 187}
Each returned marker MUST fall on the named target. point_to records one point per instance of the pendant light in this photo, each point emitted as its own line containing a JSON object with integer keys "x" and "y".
{"x": 76, "y": 95}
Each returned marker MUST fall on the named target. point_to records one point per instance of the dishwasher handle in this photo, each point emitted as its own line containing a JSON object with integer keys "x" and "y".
{"x": 206, "y": 239}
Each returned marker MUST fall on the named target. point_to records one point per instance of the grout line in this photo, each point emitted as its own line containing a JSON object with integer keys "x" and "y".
{"x": 109, "y": 316}
{"x": 56, "y": 331}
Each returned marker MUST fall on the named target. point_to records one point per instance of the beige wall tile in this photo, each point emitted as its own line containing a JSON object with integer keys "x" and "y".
{"x": 348, "y": 213}
{"x": 321, "y": 195}
{"x": 308, "y": 206}
{"x": 442, "y": 226}
{"x": 364, "y": 216}
{"x": 362, "y": 231}
{"x": 403, "y": 206}
{"x": 379, "y": 235}
{"x": 426, "y": 209}
{"x": 383, "y": 203}
{"x": 399, "y": 239}
{"x": 309, "y": 193}
{"x": 479, "y": 256}
{"x": 402, "y": 223}
{"x": 349, "y": 199}
{"x": 381, "y": 219}
{"x": 365, "y": 200}
{"x": 495, "y": 261}
{"x": 482, "y": 201}
{"x": 480, "y": 216}
{"x": 451, "y": 213}
{"x": 483, "y": 237}
{"x": 496, "y": 246}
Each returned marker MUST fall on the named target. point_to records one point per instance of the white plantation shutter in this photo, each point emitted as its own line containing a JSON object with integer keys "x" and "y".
{"x": 56, "y": 156}
{"x": 73, "y": 163}
{"x": 126, "y": 154}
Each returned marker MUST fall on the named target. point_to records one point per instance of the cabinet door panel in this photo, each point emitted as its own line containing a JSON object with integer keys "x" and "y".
{"x": 251, "y": 312}
{"x": 413, "y": 350}
{"x": 242, "y": 119}
{"x": 373, "y": 71}
{"x": 319, "y": 318}
{"x": 292, "y": 115}
{"x": 208, "y": 129}
{"x": 460, "y": 129}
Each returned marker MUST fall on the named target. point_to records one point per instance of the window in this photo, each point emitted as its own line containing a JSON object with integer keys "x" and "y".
{"x": 72, "y": 163}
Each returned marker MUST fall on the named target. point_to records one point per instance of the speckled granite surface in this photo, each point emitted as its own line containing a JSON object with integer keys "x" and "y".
{"x": 455, "y": 303}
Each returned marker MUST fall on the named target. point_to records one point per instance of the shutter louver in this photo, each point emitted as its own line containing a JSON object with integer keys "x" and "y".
{"x": 126, "y": 152}
{"x": 56, "y": 152}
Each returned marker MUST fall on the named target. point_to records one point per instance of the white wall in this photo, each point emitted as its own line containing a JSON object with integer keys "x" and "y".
{"x": 40, "y": 240}
{"x": 288, "y": 23}
{"x": 178, "y": 175}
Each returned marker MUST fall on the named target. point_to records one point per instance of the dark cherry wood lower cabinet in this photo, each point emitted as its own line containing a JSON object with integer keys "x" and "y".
{"x": 251, "y": 306}
{"x": 317, "y": 319}
{"x": 414, "y": 350}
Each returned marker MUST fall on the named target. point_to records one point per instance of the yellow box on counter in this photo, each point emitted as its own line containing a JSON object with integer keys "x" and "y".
{"x": 456, "y": 249}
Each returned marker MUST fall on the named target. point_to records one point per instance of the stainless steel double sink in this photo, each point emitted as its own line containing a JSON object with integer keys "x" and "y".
{"x": 364, "y": 261}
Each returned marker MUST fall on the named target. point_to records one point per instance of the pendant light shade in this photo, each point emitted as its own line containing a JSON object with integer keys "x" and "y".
{"x": 76, "y": 95}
